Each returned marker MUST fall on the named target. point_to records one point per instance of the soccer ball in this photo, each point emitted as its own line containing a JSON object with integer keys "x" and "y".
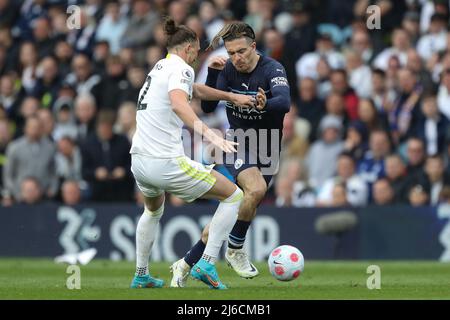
{"x": 286, "y": 263}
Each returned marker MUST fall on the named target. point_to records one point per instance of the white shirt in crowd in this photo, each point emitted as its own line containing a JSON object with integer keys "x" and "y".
{"x": 159, "y": 129}
{"x": 431, "y": 43}
{"x": 306, "y": 66}
{"x": 358, "y": 79}
{"x": 443, "y": 101}
{"x": 357, "y": 191}
{"x": 382, "y": 59}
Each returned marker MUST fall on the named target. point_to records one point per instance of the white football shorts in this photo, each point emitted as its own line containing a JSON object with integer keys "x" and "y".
{"x": 181, "y": 176}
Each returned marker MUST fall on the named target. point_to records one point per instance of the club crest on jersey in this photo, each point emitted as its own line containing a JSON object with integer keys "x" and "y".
{"x": 238, "y": 163}
{"x": 187, "y": 73}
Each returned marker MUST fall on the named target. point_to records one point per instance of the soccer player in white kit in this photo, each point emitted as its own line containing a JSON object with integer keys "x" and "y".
{"x": 159, "y": 164}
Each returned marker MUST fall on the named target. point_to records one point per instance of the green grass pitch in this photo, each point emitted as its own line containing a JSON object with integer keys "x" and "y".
{"x": 101, "y": 279}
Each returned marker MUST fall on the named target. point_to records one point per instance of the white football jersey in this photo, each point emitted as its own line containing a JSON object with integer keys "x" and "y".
{"x": 159, "y": 129}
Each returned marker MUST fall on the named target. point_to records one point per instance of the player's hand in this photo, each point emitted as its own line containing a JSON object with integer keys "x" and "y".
{"x": 261, "y": 99}
{"x": 243, "y": 100}
{"x": 101, "y": 173}
{"x": 224, "y": 145}
{"x": 217, "y": 62}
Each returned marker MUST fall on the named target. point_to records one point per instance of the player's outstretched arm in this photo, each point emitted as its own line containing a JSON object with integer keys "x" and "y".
{"x": 204, "y": 92}
{"x": 180, "y": 105}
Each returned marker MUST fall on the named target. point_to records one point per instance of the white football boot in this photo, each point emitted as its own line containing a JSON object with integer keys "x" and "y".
{"x": 238, "y": 260}
{"x": 180, "y": 272}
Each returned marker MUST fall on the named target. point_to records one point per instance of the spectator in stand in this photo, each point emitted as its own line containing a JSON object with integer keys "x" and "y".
{"x": 30, "y": 191}
{"x": 406, "y": 112}
{"x": 443, "y": 98}
{"x": 83, "y": 79}
{"x": 340, "y": 85}
{"x": 358, "y": 73}
{"x": 30, "y": 155}
{"x": 360, "y": 43}
{"x": 101, "y": 54}
{"x": 416, "y": 65}
{"x": 418, "y": 196}
{"x": 400, "y": 45}
{"x": 433, "y": 178}
{"x": 138, "y": 33}
{"x": 334, "y": 105}
{"x": 369, "y": 116}
{"x": 42, "y": 34}
{"x": 82, "y": 38}
{"x": 287, "y": 176}
{"x": 10, "y": 97}
{"x": 153, "y": 55}
{"x": 28, "y": 108}
{"x": 310, "y": 107}
{"x": 340, "y": 196}
{"x": 382, "y": 96}
{"x": 9, "y": 12}
{"x": 356, "y": 142}
{"x": 383, "y": 193}
{"x": 432, "y": 126}
{"x": 325, "y": 151}
{"x": 299, "y": 40}
{"x": 48, "y": 82}
{"x": 410, "y": 24}
{"x": 112, "y": 26}
{"x": 435, "y": 40}
{"x": 28, "y": 63}
{"x": 64, "y": 119}
{"x": 106, "y": 162}
{"x": 5, "y": 139}
{"x": 126, "y": 120}
{"x": 29, "y": 12}
{"x": 306, "y": 66}
{"x": 371, "y": 166}
{"x": 111, "y": 89}
{"x": 68, "y": 160}
{"x": 396, "y": 176}
{"x": 135, "y": 77}
{"x": 47, "y": 121}
{"x": 71, "y": 193}
{"x": 415, "y": 156}
{"x": 357, "y": 193}
{"x": 63, "y": 54}
{"x": 85, "y": 112}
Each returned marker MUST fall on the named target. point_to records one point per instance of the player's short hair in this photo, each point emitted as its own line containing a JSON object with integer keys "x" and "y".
{"x": 233, "y": 31}
{"x": 177, "y": 35}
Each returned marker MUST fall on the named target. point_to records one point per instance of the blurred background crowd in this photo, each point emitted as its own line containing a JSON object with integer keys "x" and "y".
{"x": 370, "y": 107}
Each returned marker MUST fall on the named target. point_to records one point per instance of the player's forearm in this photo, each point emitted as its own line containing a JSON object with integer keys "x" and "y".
{"x": 279, "y": 103}
{"x": 184, "y": 111}
{"x": 204, "y": 92}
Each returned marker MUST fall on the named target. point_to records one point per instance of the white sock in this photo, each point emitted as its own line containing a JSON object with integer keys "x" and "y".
{"x": 145, "y": 236}
{"x": 221, "y": 225}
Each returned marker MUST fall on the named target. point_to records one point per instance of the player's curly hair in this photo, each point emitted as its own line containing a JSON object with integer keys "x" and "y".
{"x": 232, "y": 31}
{"x": 177, "y": 35}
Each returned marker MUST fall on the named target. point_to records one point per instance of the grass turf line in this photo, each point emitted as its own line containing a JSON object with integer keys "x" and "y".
{"x": 103, "y": 279}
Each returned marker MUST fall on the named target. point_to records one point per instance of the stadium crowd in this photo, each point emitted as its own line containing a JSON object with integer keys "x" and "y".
{"x": 370, "y": 106}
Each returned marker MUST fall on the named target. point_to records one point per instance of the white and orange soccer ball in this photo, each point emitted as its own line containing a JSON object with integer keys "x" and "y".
{"x": 286, "y": 263}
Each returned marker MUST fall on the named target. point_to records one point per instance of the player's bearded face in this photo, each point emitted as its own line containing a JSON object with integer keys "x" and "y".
{"x": 242, "y": 53}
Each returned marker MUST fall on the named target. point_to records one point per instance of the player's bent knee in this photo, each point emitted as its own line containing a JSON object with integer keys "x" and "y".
{"x": 256, "y": 195}
{"x": 155, "y": 214}
{"x": 235, "y": 197}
